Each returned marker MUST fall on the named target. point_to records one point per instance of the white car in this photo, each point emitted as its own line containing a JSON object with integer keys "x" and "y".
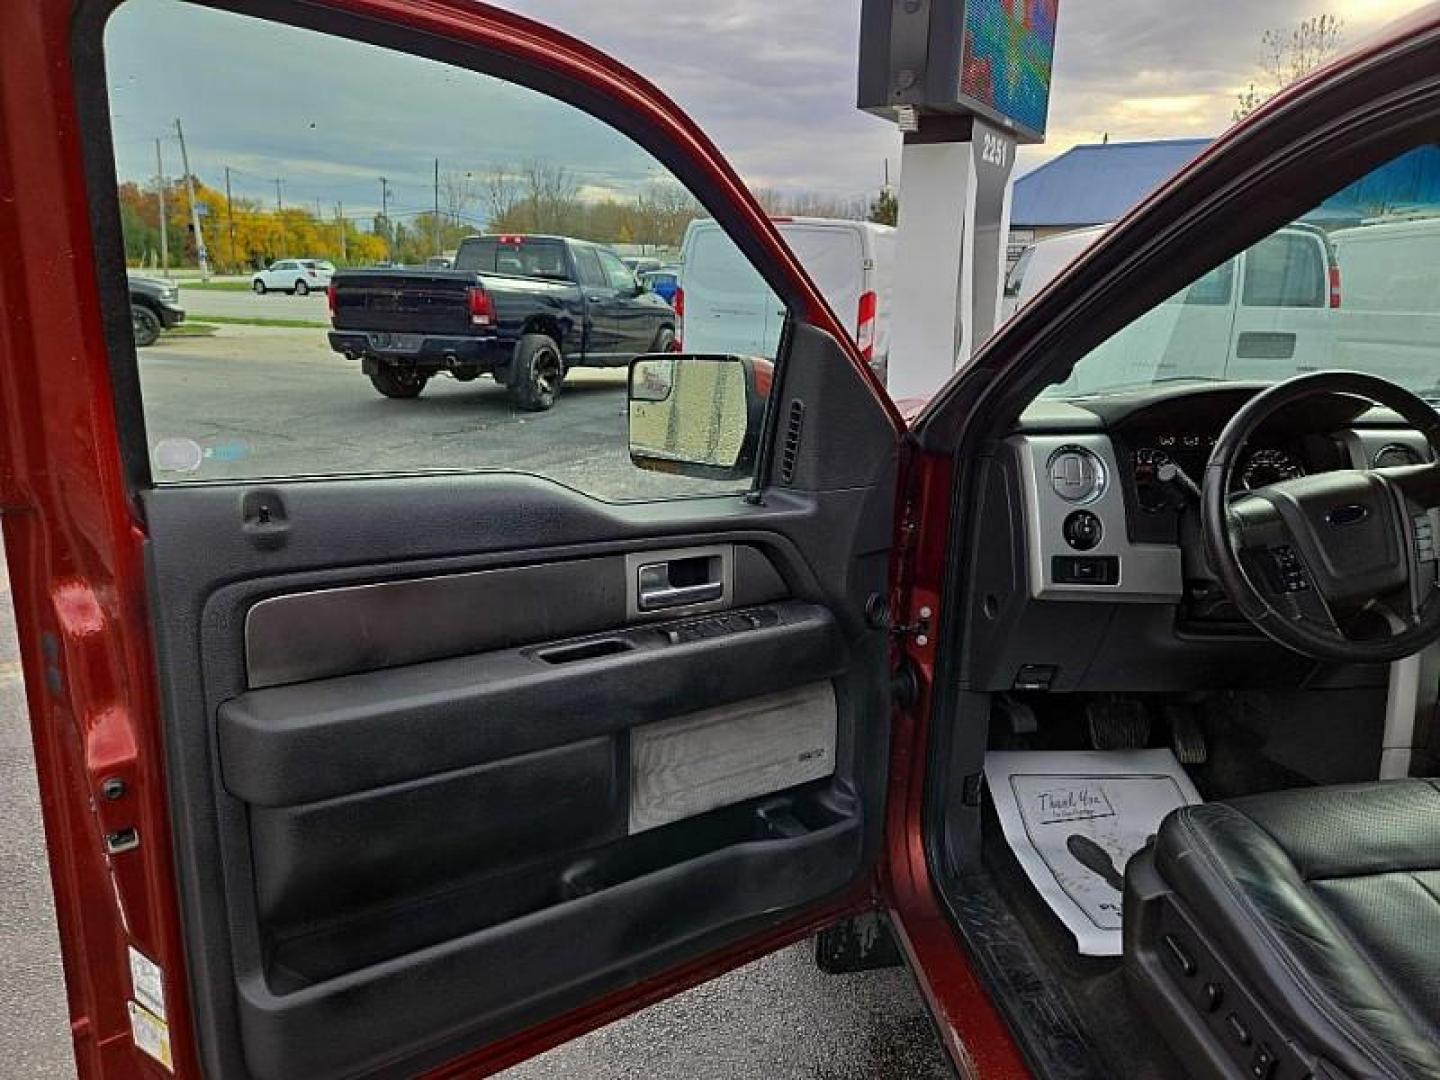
{"x": 297, "y": 276}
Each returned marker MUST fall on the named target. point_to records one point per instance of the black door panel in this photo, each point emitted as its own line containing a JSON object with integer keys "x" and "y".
{"x": 426, "y": 824}
{"x": 319, "y": 740}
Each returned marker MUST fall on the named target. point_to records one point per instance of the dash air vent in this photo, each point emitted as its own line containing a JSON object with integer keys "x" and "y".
{"x": 790, "y": 447}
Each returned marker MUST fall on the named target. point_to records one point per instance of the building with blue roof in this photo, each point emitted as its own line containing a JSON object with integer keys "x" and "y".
{"x": 1093, "y": 184}
{"x": 1099, "y": 183}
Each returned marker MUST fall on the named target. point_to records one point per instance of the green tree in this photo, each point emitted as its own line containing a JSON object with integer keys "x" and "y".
{"x": 885, "y": 208}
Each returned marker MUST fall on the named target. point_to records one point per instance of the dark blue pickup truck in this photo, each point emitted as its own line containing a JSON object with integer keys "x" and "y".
{"x": 523, "y": 309}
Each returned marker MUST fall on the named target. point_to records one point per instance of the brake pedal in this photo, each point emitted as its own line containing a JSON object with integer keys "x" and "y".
{"x": 1117, "y": 725}
{"x": 1187, "y": 738}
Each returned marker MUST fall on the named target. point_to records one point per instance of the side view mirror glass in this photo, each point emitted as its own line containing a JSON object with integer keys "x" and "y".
{"x": 695, "y": 415}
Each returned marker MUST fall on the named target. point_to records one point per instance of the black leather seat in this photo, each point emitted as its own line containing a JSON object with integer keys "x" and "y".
{"x": 1294, "y": 933}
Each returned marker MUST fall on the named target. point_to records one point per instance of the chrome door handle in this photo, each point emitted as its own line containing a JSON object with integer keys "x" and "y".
{"x": 656, "y": 592}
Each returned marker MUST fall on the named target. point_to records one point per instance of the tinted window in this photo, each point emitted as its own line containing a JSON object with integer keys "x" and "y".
{"x": 1017, "y": 273}
{"x": 1286, "y": 270}
{"x": 587, "y": 261}
{"x": 619, "y": 275}
{"x": 520, "y": 257}
{"x": 1215, "y": 288}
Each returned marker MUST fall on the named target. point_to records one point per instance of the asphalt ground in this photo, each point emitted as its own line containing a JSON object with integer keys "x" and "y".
{"x": 277, "y": 402}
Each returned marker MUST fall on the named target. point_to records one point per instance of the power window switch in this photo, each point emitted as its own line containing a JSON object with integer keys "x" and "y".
{"x": 1263, "y": 1063}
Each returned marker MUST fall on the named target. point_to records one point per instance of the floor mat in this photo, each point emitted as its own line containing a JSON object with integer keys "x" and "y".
{"x": 1074, "y": 818}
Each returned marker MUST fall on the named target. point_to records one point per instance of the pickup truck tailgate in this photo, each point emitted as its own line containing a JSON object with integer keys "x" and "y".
{"x": 417, "y": 301}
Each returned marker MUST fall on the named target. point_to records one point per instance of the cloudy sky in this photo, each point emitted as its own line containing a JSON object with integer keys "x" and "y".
{"x": 773, "y": 84}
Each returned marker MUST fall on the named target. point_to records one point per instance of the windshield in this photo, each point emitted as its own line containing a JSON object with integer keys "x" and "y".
{"x": 1354, "y": 284}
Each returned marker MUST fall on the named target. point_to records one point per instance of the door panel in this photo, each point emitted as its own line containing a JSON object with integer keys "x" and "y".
{"x": 480, "y": 789}
{"x": 379, "y": 786}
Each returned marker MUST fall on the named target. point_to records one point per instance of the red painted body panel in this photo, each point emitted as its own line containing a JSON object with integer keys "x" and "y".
{"x": 75, "y": 540}
{"x": 74, "y": 543}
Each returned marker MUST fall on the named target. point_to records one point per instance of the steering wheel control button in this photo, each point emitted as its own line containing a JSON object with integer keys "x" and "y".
{"x": 1083, "y": 530}
{"x": 1424, "y": 539}
{"x": 1076, "y": 474}
{"x": 1085, "y": 570}
{"x": 1212, "y": 996}
{"x": 1291, "y": 571}
{"x": 1262, "y": 1065}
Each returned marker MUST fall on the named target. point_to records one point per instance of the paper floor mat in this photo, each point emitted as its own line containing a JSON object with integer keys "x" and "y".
{"x": 1074, "y": 818}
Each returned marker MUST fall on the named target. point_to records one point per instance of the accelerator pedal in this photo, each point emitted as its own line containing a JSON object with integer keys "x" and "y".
{"x": 1187, "y": 738}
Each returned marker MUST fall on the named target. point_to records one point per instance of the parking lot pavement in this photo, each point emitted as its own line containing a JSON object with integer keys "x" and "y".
{"x": 263, "y": 401}
{"x": 198, "y": 303}
{"x": 34, "y": 1025}
{"x": 259, "y": 400}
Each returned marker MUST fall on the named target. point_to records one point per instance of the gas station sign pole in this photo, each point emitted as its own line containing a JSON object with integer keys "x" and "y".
{"x": 966, "y": 82}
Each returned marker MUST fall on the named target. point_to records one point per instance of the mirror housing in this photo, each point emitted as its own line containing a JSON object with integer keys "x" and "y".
{"x": 698, "y": 415}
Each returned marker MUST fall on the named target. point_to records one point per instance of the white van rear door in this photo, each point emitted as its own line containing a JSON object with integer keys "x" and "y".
{"x": 728, "y": 306}
{"x": 834, "y": 257}
{"x": 1284, "y": 325}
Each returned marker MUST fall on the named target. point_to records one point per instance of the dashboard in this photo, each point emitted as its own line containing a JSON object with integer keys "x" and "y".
{"x": 1089, "y": 567}
{"x": 1110, "y": 496}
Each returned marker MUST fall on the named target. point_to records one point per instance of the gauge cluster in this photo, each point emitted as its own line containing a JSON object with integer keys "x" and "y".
{"x": 1154, "y": 488}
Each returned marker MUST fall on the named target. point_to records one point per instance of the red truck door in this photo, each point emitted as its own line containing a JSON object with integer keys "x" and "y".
{"x": 392, "y": 764}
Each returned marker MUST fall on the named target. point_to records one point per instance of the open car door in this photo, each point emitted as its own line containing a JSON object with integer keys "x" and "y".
{"x": 377, "y": 736}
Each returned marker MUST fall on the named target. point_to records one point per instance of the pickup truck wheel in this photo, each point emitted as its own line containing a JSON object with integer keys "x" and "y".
{"x": 536, "y": 372}
{"x": 258, "y": 286}
{"x": 664, "y": 340}
{"x": 146, "y": 325}
{"x": 301, "y": 289}
{"x": 398, "y": 382}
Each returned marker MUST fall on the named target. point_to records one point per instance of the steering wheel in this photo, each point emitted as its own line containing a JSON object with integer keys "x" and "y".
{"x": 1321, "y": 563}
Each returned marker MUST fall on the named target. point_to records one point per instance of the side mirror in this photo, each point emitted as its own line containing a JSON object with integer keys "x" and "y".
{"x": 639, "y": 288}
{"x": 700, "y": 416}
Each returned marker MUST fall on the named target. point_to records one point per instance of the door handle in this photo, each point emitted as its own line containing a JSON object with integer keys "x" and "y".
{"x": 657, "y": 591}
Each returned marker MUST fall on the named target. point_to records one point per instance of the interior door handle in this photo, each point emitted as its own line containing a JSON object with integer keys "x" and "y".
{"x": 657, "y": 592}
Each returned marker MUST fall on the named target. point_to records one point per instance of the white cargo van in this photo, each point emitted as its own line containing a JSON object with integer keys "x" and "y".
{"x": 1390, "y": 324}
{"x": 1269, "y": 313}
{"x": 725, "y": 308}
{"x": 1040, "y": 263}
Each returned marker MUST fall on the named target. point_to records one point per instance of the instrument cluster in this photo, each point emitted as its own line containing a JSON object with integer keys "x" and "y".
{"x": 1189, "y": 452}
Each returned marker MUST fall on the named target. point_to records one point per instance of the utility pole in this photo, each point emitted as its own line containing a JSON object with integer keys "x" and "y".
{"x": 340, "y": 216}
{"x": 200, "y": 252}
{"x": 437, "y": 207}
{"x": 160, "y": 194}
{"x": 279, "y": 196}
{"x": 230, "y": 220}
{"x": 385, "y": 217}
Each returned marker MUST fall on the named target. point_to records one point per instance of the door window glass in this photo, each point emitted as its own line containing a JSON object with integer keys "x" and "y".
{"x": 587, "y": 261}
{"x": 616, "y": 272}
{"x": 452, "y": 244}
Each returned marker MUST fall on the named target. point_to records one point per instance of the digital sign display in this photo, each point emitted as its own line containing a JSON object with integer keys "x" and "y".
{"x": 1006, "y": 62}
